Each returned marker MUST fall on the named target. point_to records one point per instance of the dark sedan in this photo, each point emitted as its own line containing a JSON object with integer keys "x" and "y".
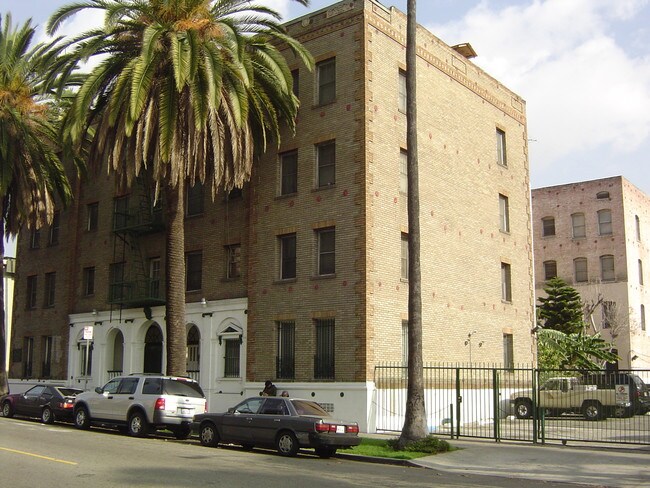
{"x": 286, "y": 424}
{"x": 48, "y": 402}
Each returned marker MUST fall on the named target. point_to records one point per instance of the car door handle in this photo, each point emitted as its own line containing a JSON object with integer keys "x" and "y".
{"x": 131, "y": 398}
{"x": 276, "y": 420}
{"x": 110, "y": 397}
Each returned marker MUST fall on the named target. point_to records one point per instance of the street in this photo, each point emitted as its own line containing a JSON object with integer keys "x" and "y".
{"x": 37, "y": 455}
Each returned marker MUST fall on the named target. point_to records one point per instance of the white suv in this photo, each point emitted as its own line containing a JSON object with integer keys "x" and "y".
{"x": 142, "y": 403}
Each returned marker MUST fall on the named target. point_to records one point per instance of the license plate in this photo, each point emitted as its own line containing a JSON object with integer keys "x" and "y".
{"x": 185, "y": 411}
{"x": 340, "y": 429}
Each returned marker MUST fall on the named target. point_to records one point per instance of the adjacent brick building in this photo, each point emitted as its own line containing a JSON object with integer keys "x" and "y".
{"x": 593, "y": 235}
{"x": 301, "y": 276}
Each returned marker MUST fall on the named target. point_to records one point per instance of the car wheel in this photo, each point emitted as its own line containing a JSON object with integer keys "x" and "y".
{"x": 287, "y": 444}
{"x": 622, "y": 412}
{"x": 592, "y": 410}
{"x": 523, "y": 408}
{"x": 81, "y": 418}
{"x": 7, "y": 409}
{"x": 138, "y": 426}
{"x": 47, "y": 416}
{"x": 325, "y": 452}
{"x": 182, "y": 432}
{"x": 208, "y": 435}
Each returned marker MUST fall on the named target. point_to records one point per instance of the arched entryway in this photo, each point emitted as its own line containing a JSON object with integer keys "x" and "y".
{"x": 117, "y": 366}
{"x": 194, "y": 352}
{"x": 153, "y": 349}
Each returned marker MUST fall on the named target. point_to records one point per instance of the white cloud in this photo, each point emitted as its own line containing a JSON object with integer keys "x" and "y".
{"x": 583, "y": 90}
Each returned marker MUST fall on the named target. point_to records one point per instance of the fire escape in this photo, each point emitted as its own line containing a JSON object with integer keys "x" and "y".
{"x": 135, "y": 281}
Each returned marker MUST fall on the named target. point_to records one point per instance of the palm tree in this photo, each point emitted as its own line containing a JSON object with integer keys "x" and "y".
{"x": 415, "y": 423}
{"x": 187, "y": 90}
{"x": 31, "y": 172}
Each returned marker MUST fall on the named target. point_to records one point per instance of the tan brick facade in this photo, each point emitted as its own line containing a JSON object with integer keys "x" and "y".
{"x": 460, "y": 109}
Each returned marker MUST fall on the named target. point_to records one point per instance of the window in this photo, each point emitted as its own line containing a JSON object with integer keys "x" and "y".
{"x": 326, "y": 164}
{"x": 89, "y": 281}
{"x": 28, "y": 357}
{"x": 194, "y": 199}
{"x": 289, "y": 173}
{"x": 92, "y": 216}
{"x": 285, "y": 366}
{"x": 326, "y": 73}
{"x": 403, "y": 172}
{"x": 605, "y": 222}
{"x": 578, "y": 224}
{"x": 287, "y": 256}
{"x": 46, "y": 367}
{"x": 295, "y": 85}
{"x": 32, "y": 282}
{"x": 580, "y": 270}
{"x": 607, "y": 268}
{"x": 548, "y": 226}
{"x": 602, "y": 195}
{"x": 401, "y": 91}
{"x": 86, "y": 360}
{"x": 53, "y": 238}
{"x": 193, "y": 270}
{"x": 154, "y": 277}
{"x": 50, "y": 289}
{"x": 506, "y": 283}
{"x": 504, "y": 214}
{"x": 120, "y": 213}
{"x": 642, "y": 317}
{"x": 233, "y": 267}
{"x": 231, "y": 358}
{"x": 405, "y": 257}
{"x": 637, "y": 225}
{"x": 550, "y": 270}
{"x": 405, "y": 342}
{"x": 326, "y": 251}
{"x": 608, "y": 314}
{"x": 508, "y": 351}
{"x": 35, "y": 239}
{"x": 501, "y": 148}
{"x": 640, "y": 272}
{"x": 116, "y": 280}
{"x": 324, "y": 359}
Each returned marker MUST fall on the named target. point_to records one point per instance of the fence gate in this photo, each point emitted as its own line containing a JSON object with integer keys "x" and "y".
{"x": 524, "y": 404}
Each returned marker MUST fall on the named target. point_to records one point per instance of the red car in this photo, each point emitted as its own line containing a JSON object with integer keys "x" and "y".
{"x": 47, "y": 402}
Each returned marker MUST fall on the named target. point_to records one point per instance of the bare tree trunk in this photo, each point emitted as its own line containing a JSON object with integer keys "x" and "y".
{"x": 175, "y": 279}
{"x": 4, "y": 383}
{"x": 415, "y": 421}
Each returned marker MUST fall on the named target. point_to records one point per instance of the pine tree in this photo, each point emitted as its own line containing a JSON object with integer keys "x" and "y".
{"x": 561, "y": 309}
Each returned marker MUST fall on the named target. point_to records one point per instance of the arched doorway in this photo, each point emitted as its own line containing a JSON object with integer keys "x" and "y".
{"x": 193, "y": 352}
{"x": 153, "y": 349}
{"x": 117, "y": 367}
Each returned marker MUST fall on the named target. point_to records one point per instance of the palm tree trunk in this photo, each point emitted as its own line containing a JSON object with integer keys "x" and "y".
{"x": 175, "y": 279}
{"x": 4, "y": 383}
{"x": 415, "y": 421}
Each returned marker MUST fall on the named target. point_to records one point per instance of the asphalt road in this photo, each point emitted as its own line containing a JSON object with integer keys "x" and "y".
{"x": 36, "y": 455}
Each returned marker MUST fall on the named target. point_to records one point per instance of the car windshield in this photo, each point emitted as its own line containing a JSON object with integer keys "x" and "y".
{"x": 69, "y": 391}
{"x": 304, "y": 407}
{"x": 182, "y": 388}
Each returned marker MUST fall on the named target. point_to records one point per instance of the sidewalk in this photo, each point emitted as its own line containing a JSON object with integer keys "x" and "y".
{"x": 626, "y": 466}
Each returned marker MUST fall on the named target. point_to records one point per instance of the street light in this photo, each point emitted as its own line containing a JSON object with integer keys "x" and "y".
{"x": 468, "y": 342}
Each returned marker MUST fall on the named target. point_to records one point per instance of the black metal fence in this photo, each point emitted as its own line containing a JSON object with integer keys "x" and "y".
{"x": 523, "y": 403}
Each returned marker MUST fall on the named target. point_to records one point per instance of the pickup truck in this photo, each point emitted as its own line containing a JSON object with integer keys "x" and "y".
{"x": 571, "y": 395}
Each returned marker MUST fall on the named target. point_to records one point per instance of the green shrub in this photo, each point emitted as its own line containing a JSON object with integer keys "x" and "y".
{"x": 430, "y": 445}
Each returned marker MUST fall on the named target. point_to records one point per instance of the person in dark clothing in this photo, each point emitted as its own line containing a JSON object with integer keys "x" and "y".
{"x": 269, "y": 389}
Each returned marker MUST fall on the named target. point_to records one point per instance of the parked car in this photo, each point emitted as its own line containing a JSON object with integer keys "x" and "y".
{"x": 47, "y": 402}
{"x": 639, "y": 392}
{"x": 286, "y": 424}
{"x": 142, "y": 403}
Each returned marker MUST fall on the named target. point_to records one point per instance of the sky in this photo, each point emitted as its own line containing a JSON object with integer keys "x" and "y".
{"x": 583, "y": 67}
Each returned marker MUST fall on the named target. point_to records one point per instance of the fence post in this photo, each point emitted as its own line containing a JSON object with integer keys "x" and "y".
{"x": 495, "y": 403}
{"x": 459, "y": 400}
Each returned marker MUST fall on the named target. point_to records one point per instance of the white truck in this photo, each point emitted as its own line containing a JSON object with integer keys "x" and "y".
{"x": 569, "y": 394}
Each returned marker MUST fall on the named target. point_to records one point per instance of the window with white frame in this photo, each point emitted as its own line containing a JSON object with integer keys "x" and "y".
{"x": 580, "y": 270}
{"x": 578, "y": 225}
{"x": 232, "y": 350}
{"x": 326, "y": 81}
{"x": 504, "y": 213}
{"x": 605, "y": 222}
{"x": 326, "y": 241}
{"x": 501, "y": 147}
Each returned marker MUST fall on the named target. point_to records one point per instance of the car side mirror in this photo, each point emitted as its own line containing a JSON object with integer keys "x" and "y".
{"x": 99, "y": 390}
{"x": 231, "y": 410}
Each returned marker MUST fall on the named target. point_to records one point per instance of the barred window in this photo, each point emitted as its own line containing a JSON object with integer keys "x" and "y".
{"x": 231, "y": 359}
{"x": 324, "y": 358}
{"x": 285, "y": 367}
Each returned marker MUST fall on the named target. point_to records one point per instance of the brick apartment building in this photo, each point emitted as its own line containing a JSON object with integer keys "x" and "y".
{"x": 594, "y": 235}
{"x": 301, "y": 276}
